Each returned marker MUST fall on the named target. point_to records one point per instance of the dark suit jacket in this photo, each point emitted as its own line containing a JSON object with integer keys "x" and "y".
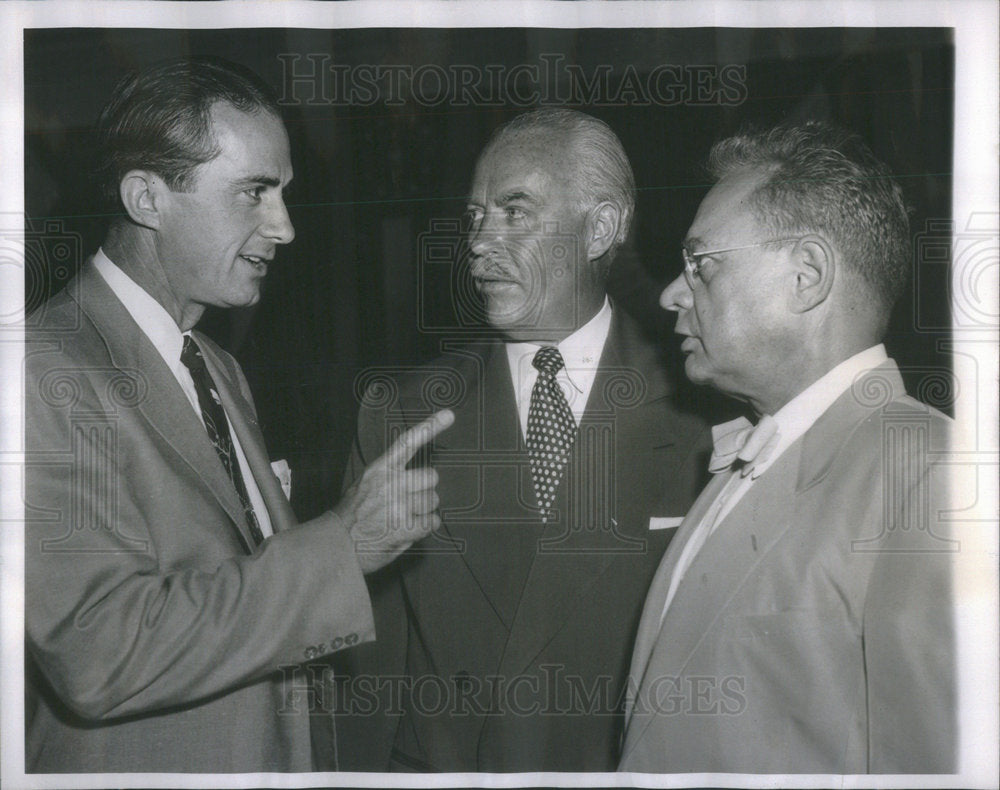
{"x": 155, "y": 640}
{"x": 813, "y": 630}
{"x": 506, "y": 641}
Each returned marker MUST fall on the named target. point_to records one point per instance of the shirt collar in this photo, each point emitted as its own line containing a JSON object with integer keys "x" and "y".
{"x": 581, "y": 351}
{"x": 801, "y": 412}
{"x": 152, "y": 318}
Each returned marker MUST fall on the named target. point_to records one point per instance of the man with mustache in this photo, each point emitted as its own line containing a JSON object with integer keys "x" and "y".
{"x": 170, "y": 594}
{"x": 801, "y": 620}
{"x": 503, "y": 640}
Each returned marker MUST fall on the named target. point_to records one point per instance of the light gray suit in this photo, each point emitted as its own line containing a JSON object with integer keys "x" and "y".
{"x": 813, "y": 630}
{"x": 155, "y": 640}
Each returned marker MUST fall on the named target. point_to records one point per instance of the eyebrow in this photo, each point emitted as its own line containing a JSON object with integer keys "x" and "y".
{"x": 517, "y": 195}
{"x": 268, "y": 181}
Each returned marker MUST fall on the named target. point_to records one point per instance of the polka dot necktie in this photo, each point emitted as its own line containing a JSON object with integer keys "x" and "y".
{"x": 217, "y": 427}
{"x": 551, "y": 428}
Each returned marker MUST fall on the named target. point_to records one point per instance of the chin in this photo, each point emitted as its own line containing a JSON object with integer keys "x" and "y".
{"x": 695, "y": 371}
{"x": 505, "y": 315}
{"x": 246, "y": 300}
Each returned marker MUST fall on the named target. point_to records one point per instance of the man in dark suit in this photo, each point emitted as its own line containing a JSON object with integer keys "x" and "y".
{"x": 170, "y": 595}
{"x": 801, "y": 620}
{"x": 503, "y": 640}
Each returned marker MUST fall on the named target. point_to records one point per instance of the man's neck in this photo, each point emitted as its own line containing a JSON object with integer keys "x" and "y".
{"x": 548, "y": 337}
{"x": 133, "y": 250}
{"x": 801, "y": 372}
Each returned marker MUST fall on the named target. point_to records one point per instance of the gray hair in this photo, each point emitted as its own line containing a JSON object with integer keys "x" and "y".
{"x": 603, "y": 172}
{"x": 819, "y": 177}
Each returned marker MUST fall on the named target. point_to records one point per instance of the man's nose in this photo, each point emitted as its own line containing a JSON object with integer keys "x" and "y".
{"x": 677, "y": 296}
{"x": 277, "y": 224}
{"x": 483, "y": 238}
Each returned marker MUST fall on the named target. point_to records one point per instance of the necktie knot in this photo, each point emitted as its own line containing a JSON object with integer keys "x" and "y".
{"x": 740, "y": 441}
{"x": 548, "y": 360}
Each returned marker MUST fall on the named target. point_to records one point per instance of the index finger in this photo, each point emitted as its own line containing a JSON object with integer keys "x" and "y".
{"x": 407, "y": 445}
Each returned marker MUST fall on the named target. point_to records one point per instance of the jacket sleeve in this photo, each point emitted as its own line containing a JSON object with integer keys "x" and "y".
{"x": 115, "y": 626}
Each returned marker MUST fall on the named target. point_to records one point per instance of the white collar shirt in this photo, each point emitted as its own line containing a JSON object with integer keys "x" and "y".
{"x": 793, "y": 420}
{"x": 581, "y": 353}
{"x": 167, "y": 338}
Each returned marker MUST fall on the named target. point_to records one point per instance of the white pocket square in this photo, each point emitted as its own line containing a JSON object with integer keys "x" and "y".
{"x": 284, "y": 474}
{"x": 665, "y": 522}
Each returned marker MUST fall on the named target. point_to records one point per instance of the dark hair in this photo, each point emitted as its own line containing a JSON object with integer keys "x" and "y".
{"x": 159, "y": 119}
{"x": 819, "y": 177}
{"x": 602, "y": 169}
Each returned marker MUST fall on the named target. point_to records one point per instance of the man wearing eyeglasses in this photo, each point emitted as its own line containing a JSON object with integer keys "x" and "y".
{"x": 801, "y": 619}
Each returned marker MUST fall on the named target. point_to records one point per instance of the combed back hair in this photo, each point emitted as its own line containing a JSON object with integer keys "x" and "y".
{"x": 159, "y": 119}
{"x": 603, "y": 172}
{"x": 821, "y": 178}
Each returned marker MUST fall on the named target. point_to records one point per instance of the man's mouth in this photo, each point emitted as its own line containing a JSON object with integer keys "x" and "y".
{"x": 491, "y": 283}
{"x": 257, "y": 262}
{"x": 689, "y": 345}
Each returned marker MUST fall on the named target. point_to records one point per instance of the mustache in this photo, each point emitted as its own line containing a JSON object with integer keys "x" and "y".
{"x": 492, "y": 266}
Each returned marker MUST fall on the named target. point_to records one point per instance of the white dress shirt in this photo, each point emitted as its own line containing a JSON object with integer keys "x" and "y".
{"x": 581, "y": 353}
{"x": 167, "y": 338}
{"x": 793, "y": 419}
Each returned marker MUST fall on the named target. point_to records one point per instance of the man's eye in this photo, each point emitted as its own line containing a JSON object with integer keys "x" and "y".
{"x": 700, "y": 264}
{"x": 472, "y": 217}
{"x": 256, "y": 192}
{"x": 513, "y": 212}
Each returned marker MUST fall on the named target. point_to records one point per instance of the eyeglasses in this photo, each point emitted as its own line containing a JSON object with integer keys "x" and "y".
{"x": 693, "y": 262}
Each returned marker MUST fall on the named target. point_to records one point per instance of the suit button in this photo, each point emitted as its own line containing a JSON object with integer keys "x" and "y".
{"x": 350, "y": 639}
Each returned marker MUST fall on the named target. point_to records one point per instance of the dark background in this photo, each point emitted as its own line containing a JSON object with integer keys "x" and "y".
{"x": 380, "y": 185}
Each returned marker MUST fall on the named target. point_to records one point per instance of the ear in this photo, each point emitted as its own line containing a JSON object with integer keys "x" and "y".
{"x": 815, "y": 265}
{"x": 603, "y": 221}
{"x": 142, "y": 195}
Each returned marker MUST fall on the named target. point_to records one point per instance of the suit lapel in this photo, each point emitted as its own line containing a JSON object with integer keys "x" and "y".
{"x": 574, "y": 551}
{"x": 730, "y": 554}
{"x": 165, "y": 407}
{"x": 486, "y": 436}
{"x": 516, "y": 533}
{"x": 649, "y": 624}
{"x": 821, "y": 444}
{"x": 716, "y": 574}
{"x": 745, "y": 535}
{"x": 241, "y": 417}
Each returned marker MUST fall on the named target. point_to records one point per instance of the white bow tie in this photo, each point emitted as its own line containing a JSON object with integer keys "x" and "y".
{"x": 740, "y": 441}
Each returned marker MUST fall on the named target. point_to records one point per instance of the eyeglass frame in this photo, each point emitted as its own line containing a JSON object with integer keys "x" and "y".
{"x": 692, "y": 264}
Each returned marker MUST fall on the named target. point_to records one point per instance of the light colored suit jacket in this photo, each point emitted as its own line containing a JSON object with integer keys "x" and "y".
{"x": 813, "y": 630}
{"x": 155, "y": 640}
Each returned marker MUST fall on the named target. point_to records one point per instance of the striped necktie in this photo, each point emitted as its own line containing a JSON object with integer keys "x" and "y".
{"x": 217, "y": 427}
